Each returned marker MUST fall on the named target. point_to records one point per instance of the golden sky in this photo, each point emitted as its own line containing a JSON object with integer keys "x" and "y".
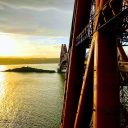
{"x": 34, "y": 28}
{"x": 16, "y": 45}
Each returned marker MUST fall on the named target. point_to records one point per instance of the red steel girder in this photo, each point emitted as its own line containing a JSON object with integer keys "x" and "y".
{"x": 106, "y": 80}
{"x": 75, "y": 73}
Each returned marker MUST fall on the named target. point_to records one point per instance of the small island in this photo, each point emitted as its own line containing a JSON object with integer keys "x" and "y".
{"x": 29, "y": 69}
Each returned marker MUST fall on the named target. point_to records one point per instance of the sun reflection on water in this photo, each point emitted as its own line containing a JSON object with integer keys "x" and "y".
{"x": 29, "y": 100}
{"x": 2, "y": 86}
{"x": 2, "y": 68}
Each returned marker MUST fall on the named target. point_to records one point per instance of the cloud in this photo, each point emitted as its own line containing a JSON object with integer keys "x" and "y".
{"x": 36, "y": 17}
{"x": 37, "y": 24}
{"x": 38, "y": 4}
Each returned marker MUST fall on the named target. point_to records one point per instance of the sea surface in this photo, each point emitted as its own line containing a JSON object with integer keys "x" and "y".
{"x": 31, "y": 100}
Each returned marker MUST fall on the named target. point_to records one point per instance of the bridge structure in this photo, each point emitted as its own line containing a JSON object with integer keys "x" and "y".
{"x": 63, "y": 59}
{"x": 96, "y": 85}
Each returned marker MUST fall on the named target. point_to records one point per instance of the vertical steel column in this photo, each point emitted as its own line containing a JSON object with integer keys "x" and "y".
{"x": 106, "y": 85}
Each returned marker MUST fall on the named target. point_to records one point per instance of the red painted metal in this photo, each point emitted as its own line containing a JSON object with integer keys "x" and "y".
{"x": 76, "y": 65}
{"x": 84, "y": 111}
{"x": 98, "y": 93}
{"x": 106, "y": 82}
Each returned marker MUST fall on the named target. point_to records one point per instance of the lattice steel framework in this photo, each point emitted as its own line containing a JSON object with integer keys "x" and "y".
{"x": 82, "y": 38}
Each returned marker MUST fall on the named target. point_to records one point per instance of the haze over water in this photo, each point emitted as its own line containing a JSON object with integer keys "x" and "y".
{"x": 31, "y": 100}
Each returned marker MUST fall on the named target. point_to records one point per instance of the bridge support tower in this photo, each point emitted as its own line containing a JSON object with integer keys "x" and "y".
{"x": 92, "y": 90}
{"x": 63, "y": 59}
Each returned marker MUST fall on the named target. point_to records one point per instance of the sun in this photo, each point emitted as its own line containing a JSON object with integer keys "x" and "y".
{"x": 7, "y": 45}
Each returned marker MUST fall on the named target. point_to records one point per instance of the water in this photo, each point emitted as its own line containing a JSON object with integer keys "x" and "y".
{"x": 30, "y": 100}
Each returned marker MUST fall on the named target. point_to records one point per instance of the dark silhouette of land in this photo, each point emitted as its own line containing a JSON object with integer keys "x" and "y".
{"x": 29, "y": 69}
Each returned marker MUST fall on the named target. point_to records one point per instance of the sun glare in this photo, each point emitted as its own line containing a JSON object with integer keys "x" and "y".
{"x": 2, "y": 68}
{"x": 7, "y": 45}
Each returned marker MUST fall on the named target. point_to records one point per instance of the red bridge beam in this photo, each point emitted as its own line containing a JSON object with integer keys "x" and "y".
{"x": 106, "y": 103}
{"x": 85, "y": 106}
{"x": 77, "y": 56}
{"x": 106, "y": 81}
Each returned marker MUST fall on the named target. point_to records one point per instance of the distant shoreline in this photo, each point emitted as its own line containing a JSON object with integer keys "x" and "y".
{"x": 27, "y": 63}
{"x": 17, "y": 61}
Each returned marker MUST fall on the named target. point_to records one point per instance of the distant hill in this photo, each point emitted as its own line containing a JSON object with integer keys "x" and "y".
{"x": 14, "y": 60}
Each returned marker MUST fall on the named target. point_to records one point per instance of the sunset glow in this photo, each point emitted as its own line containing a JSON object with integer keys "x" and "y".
{"x": 18, "y": 45}
{"x": 7, "y": 45}
{"x": 34, "y": 29}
